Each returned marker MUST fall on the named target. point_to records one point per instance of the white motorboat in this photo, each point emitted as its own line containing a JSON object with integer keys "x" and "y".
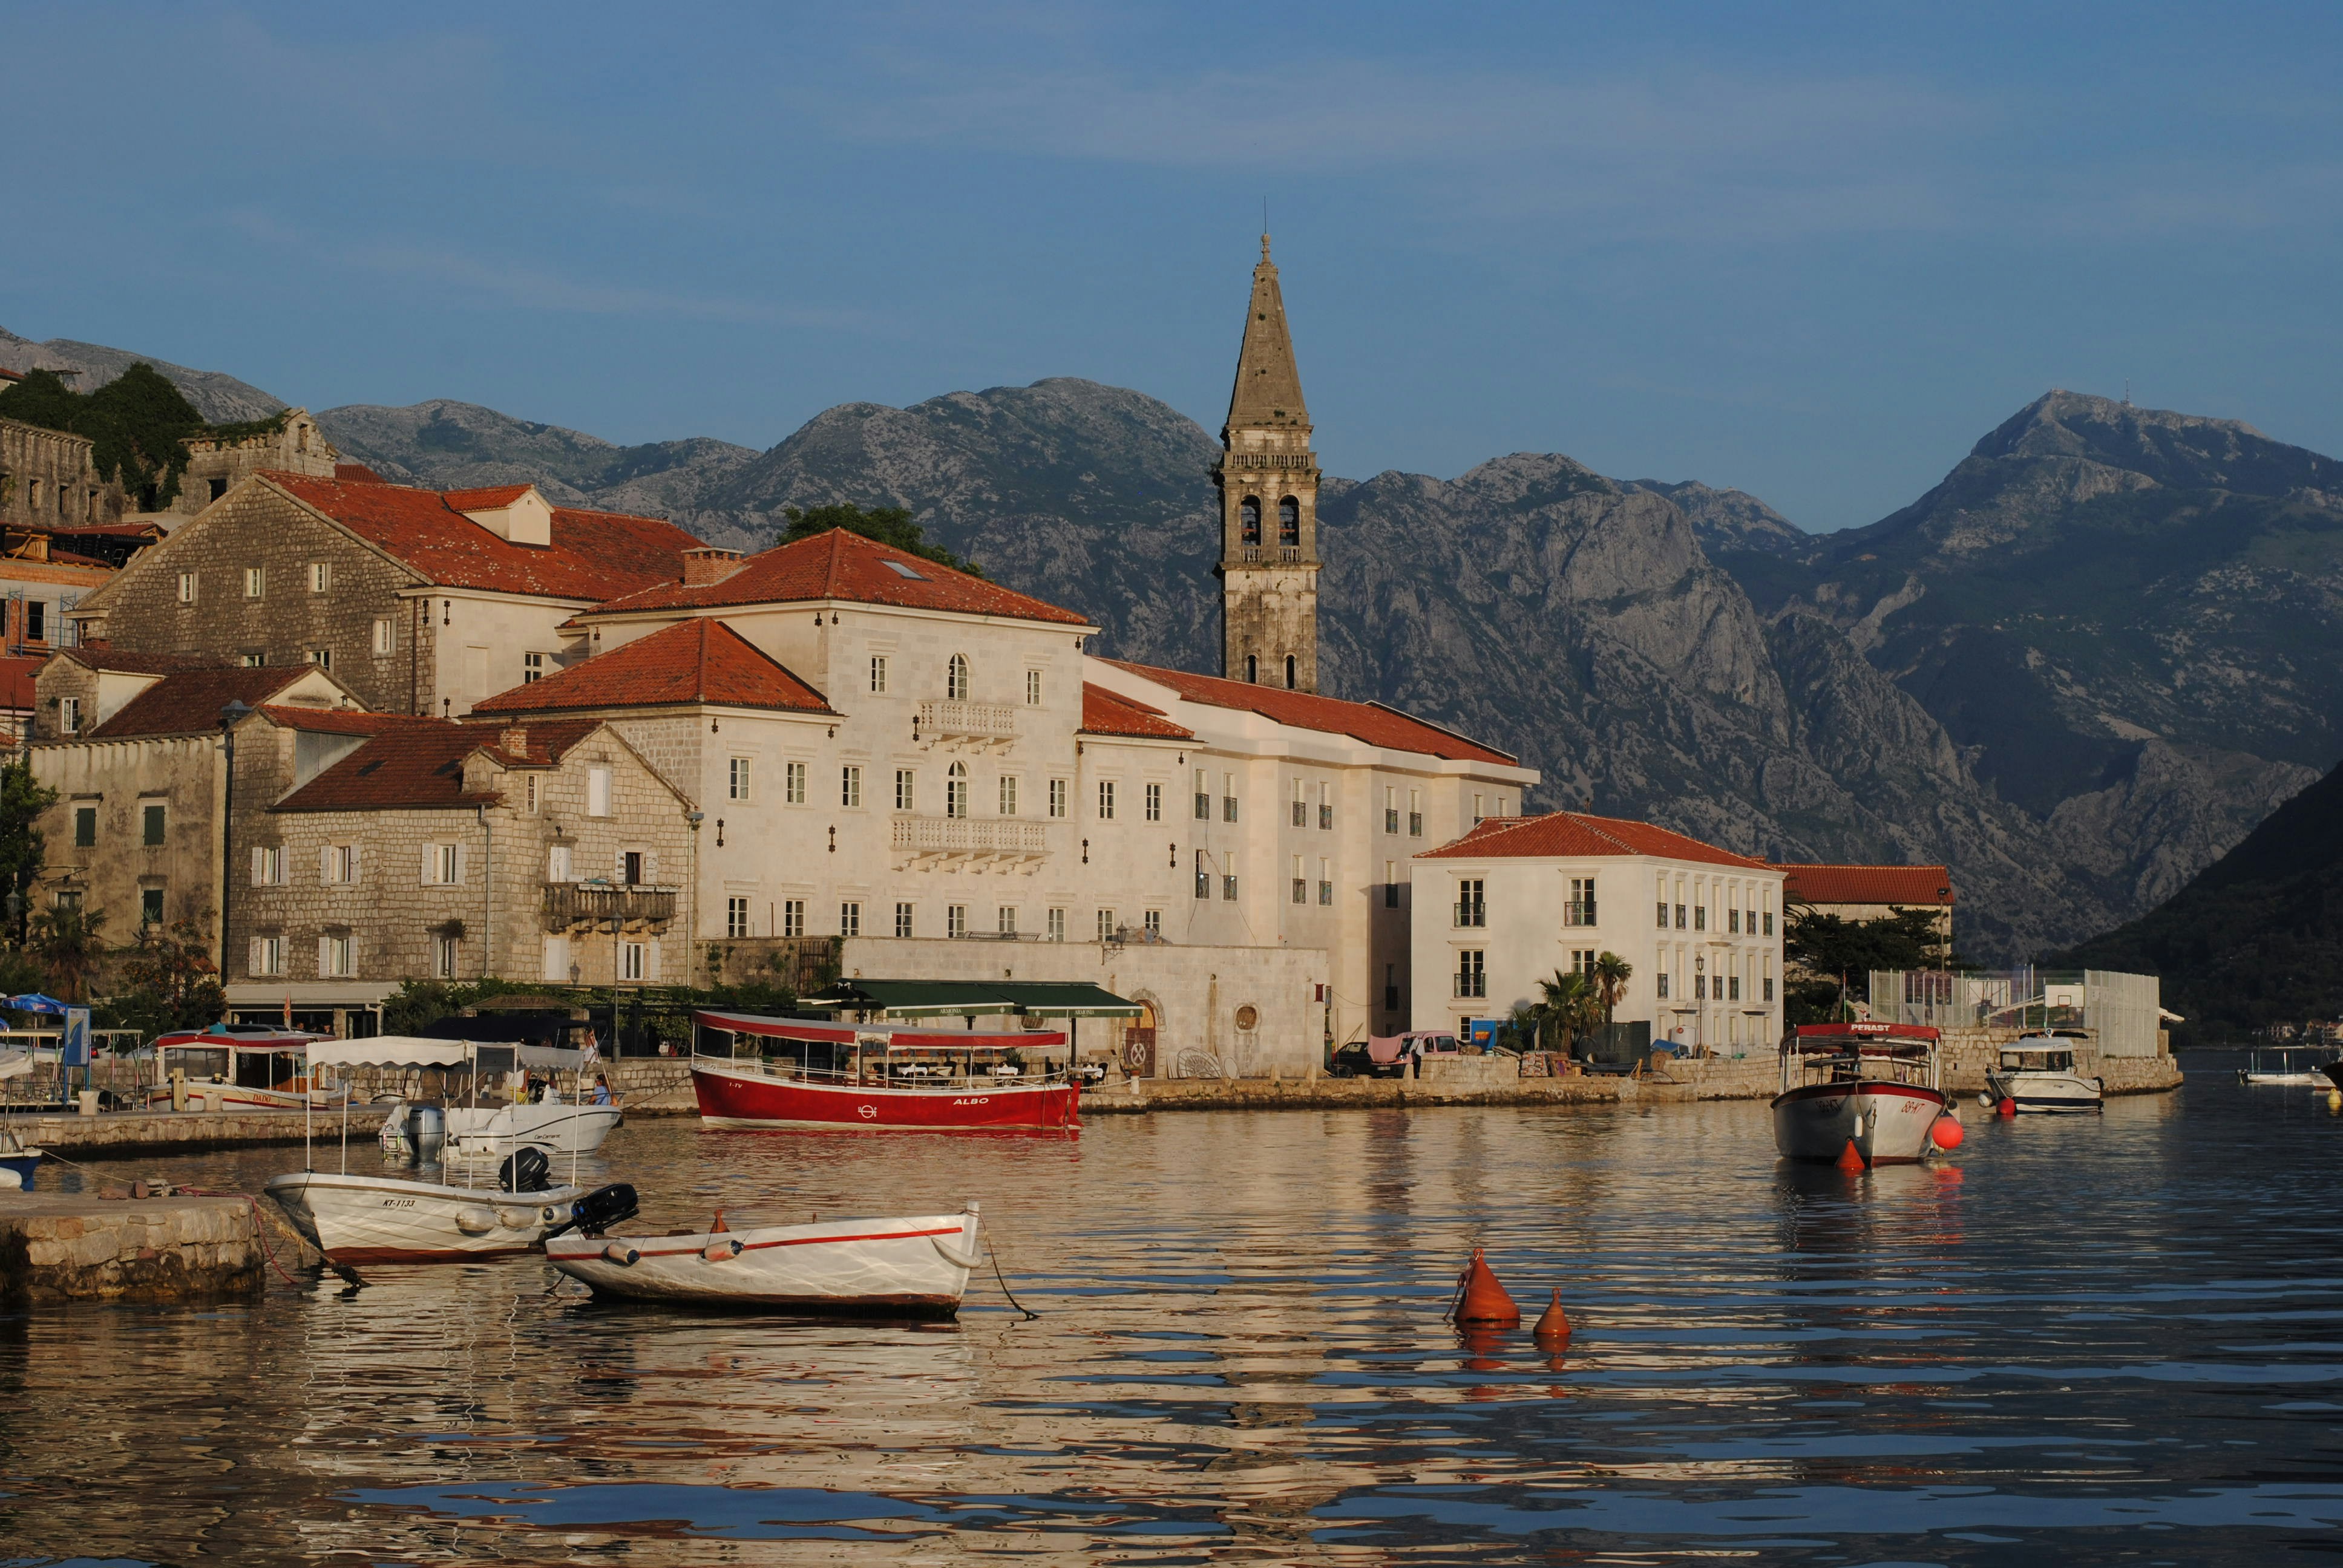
{"x": 1876, "y": 1087}
{"x": 914, "y": 1267}
{"x": 2288, "y": 1065}
{"x": 562, "y": 1123}
{"x": 386, "y": 1219}
{"x": 375, "y": 1219}
{"x": 2037, "y": 1074}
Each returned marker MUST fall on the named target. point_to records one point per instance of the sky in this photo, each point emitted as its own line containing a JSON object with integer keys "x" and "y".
{"x": 1814, "y": 252}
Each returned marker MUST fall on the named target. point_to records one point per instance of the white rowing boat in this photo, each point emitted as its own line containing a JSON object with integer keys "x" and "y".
{"x": 386, "y": 1220}
{"x": 913, "y": 1267}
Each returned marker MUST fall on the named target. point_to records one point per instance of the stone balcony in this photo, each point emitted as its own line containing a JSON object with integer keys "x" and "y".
{"x": 1007, "y": 843}
{"x": 964, "y": 726}
{"x": 592, "y": 906}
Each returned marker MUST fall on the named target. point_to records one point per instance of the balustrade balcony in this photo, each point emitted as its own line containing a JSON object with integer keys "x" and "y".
{"x": 594, "y": 905}
{"x": 971, "y": 725}
{"x": 1005, "y": 840}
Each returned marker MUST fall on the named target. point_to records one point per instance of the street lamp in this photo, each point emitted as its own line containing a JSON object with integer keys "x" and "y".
{"x": 1700, "y": 995}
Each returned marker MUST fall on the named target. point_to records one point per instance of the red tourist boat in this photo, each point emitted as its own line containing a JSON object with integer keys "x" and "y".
{"x": 749, "y": 1070}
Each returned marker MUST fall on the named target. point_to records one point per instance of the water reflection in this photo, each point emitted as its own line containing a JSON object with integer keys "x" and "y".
{"x": 2104, "y": 1338}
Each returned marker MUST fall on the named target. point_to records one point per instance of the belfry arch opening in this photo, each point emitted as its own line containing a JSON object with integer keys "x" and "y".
{"x": 1289, "y": 521}
{"x": 1292, "y": 669}
{"x": 1248, "y": 520}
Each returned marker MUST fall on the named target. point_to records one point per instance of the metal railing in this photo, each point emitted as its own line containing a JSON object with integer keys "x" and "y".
{"x": 1473, "y": 912}
{"x": 1472, "y": 982}
{"x": 1578, "y": 912}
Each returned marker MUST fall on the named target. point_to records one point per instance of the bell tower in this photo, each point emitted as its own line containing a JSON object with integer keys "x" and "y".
{"x": 1267, "y": 477}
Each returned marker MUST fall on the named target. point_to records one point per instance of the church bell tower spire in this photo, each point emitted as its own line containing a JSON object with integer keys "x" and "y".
{"x": 1268, "y": 483}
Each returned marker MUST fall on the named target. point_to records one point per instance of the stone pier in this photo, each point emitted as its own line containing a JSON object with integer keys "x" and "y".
{"x": 125, "y": 1132}
{"x": 83, "y": 1247}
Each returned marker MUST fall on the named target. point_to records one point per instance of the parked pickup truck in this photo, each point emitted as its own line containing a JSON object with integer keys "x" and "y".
{"x": 1388, "y": 1055}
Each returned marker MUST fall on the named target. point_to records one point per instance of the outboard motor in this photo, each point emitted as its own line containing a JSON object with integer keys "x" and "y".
{"x": 596, "y": 1212}
{"x": 426, "y": 1132}
{"x": 526, "y": 1170}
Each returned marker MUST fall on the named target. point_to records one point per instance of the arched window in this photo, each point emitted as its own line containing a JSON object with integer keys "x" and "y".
{"x": 1249, "y": 518}
{"x": 1289, "y": 521}
{"x": 956, "y": 789}
{"x": 956, "y": 678}
{"x": 1290, "y": 670}
{"x": 1252, "y": 670}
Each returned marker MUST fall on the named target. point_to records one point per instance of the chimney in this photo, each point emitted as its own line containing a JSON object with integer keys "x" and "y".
{"x": 513, "y": 740}
{"x": 708, "y": 564}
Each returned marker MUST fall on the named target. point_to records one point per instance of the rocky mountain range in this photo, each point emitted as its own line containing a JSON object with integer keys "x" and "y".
{"x": 2078, "y": 670}
{"x": 221, "y": 400}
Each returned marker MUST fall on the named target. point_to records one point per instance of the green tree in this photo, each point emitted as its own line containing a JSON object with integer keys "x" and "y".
{"x": 138, "y": 425}
{"x": 23, "y": 849}
{"x": 891, "y": 526}
{"x": 169, "y": 978}
{"x": 1834, "y": 952}
{"x": 1610, "y": 975}
{"x": 1568, "y": 1003}
{"x": 69, "y": 944}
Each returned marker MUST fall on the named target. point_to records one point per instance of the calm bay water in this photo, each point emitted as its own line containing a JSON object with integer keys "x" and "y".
{"x": 2114, "y": 1340}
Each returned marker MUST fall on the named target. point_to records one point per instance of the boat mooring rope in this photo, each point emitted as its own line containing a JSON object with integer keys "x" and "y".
{"x": 1030, "y": 1315}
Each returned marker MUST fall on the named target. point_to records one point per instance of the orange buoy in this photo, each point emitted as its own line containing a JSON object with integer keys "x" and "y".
{"x": 1553, "y": 1324}
{"x": 1850, "y": 1158}
{"x": 1482, "y": 1299}
{"x": 717, "y": 1227}
{"x": 2008, "y": 1106}
{"x": 1946, "y": 1132}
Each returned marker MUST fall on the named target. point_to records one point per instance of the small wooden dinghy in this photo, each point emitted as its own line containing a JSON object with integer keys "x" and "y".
{"x": 914, "y": 1267}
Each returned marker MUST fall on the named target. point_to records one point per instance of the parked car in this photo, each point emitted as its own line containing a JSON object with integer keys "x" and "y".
{"x": 1388, "y": 1055}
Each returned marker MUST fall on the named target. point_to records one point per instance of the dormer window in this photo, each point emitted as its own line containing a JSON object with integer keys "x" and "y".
{"x": 517, "y": 514}
{"x": 956, "y": 678}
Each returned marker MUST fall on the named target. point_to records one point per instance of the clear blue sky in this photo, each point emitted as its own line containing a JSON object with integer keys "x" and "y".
{"x": 1813, "y": 251}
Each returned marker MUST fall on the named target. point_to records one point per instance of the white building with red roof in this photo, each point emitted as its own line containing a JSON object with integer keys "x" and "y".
{"x": 1517, "y": 900}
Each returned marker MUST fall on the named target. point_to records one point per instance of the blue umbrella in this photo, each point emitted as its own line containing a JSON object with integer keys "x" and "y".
{"x": 34, "y": 1001}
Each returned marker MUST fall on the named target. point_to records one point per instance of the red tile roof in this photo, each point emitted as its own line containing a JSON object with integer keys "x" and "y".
{"x": 1371, "y": 722}
{"x": 419, "y": 765}
{"x": 16, "y": 673}
{"x": 1108, "y": 712}
{"x": 487, "y": 498}
{"x": 1575, "y": 835}
{"x": 357, "y": 473}
{"x": 189, "y": 701}
{"x": 1821, "y": 884}
{"x": 844, "y": 565}
{"x": 102, "y": 656}
{"x": 692, "y": 661}
{"x": 594, "y": 555}
{"x": 337, "y": 720}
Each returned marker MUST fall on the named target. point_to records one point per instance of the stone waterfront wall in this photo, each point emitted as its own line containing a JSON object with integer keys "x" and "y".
{"x": 78, "y": 1247}
{"x": 140, "y": 1132}
{"x": 1969, "y": 1052}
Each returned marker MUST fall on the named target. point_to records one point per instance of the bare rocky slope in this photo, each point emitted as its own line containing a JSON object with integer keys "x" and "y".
{"x": 222, "y": 399}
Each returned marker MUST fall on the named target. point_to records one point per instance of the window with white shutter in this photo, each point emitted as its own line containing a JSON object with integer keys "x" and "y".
{"x": 597, "y": 792}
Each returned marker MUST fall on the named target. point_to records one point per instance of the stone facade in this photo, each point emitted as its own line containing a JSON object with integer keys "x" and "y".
{"x": 505, "y": 912}
{"x": 48, "y": 481}
{"x": 1267, "y": 479}
{"x": 216, "y": 465}
{"x": 192, "y": 597}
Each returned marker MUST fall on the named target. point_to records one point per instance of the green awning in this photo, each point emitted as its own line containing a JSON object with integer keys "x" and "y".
{"x": 1067, "y": 999}
{"x": 915, "y": 999}
{"x": 899, "y": 998}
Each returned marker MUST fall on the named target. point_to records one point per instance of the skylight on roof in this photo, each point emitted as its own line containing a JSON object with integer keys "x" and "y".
{"x": 905, "y": 568}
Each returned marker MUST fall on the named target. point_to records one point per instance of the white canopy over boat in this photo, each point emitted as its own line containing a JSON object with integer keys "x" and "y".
{"x": 414, "y": 1050}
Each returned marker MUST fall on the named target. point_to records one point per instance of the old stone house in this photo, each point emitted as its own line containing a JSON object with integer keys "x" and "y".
{"x": 49, "y": 479}
{"x": 136, "y": 830}
{"x": 420, "y": 602}
{"x": 453, "y": 851}
{"x": 287, "y": 442}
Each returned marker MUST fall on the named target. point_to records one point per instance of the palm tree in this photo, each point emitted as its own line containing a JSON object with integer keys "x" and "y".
{"x": 1565, "y": 1003}
{"x": 1611, "y": 974}
{"x": 70, "y": 944}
